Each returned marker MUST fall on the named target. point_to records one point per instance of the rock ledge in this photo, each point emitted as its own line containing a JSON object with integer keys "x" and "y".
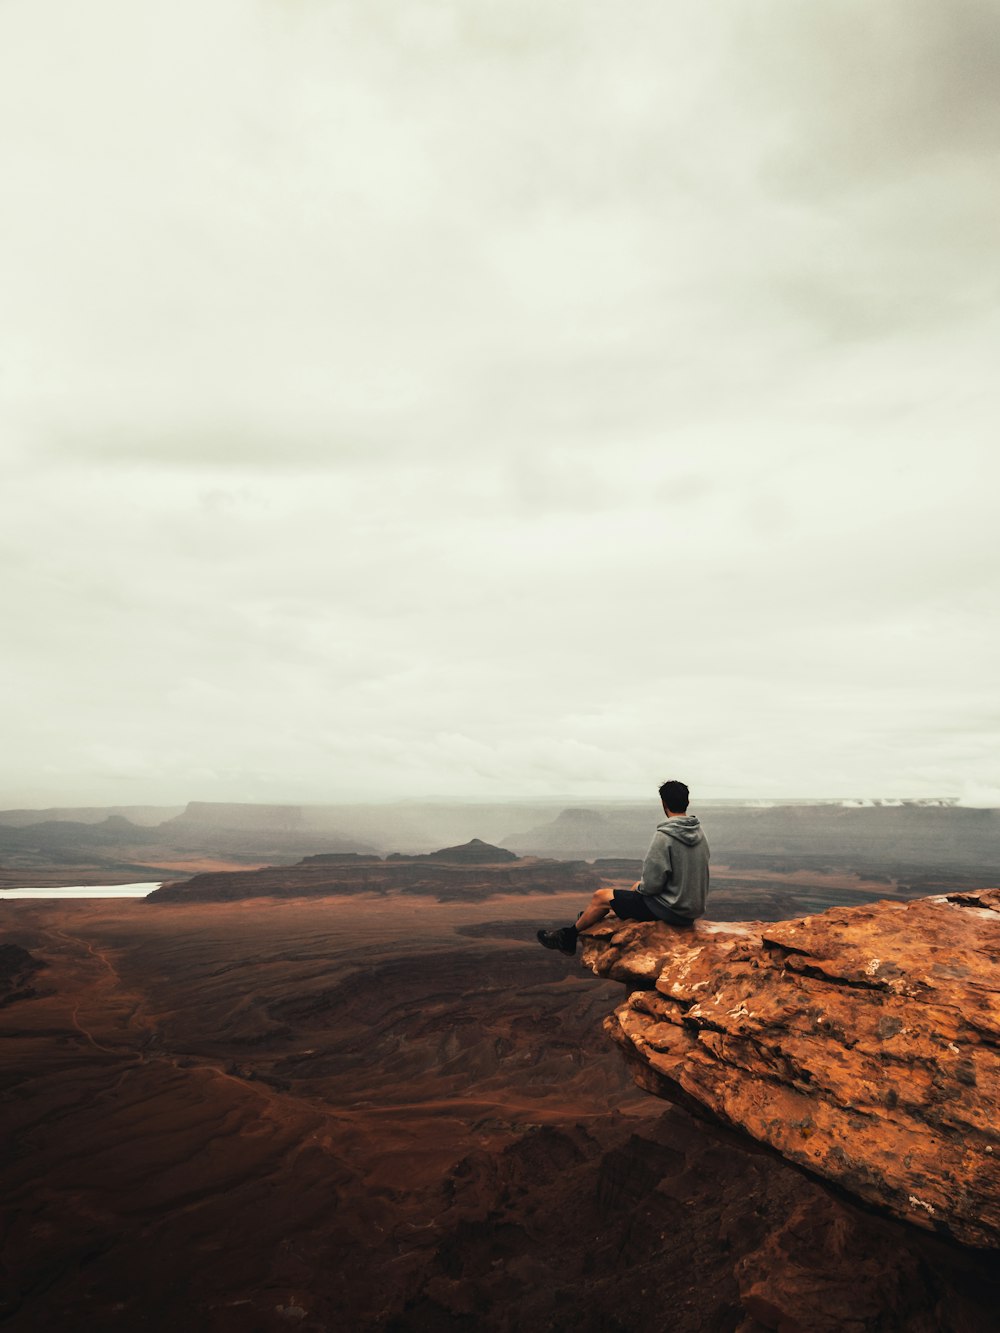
{"x": 862, "y": 1044}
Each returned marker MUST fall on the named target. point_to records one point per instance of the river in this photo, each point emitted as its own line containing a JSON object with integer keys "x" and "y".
{"x": 83, "y": 891}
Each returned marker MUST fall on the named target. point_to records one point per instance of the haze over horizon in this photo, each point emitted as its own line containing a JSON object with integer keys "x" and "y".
{"x": 559, "y": 802}
{"x": 461, "y": 401}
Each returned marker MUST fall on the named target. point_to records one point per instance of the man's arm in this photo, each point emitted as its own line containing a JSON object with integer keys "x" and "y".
{"x": 656, "y": 867}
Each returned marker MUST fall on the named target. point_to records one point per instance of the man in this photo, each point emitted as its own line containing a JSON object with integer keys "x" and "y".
{"x": 674, "y": 882}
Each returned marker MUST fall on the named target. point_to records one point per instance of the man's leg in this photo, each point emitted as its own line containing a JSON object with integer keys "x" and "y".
{"x": 565, "y": 939}
{"x": 596, "y": 910}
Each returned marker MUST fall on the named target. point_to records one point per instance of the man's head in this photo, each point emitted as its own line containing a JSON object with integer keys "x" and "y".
{"x": 675, "y": 797}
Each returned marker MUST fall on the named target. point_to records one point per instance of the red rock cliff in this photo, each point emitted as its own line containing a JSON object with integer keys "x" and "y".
{"x": 862, "y": 1044}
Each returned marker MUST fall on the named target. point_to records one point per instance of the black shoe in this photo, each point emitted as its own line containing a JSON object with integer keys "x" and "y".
{"x": 564, "y": 940}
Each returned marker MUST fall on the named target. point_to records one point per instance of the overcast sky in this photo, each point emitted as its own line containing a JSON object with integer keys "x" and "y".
{"x": 498, "y": 398}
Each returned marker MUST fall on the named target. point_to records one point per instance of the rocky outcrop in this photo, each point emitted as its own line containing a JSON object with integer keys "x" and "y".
{"x": 17, "y": 968}
{"x": 862, "y": 1044}
{"x": 472, "y": 853}
{"x": 448, "y": 881}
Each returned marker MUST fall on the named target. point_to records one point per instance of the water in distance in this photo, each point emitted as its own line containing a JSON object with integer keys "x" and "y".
{"x": 84, "y": 891}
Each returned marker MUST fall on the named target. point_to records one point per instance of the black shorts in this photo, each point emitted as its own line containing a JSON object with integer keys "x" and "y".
{"x": 631, "y": 905}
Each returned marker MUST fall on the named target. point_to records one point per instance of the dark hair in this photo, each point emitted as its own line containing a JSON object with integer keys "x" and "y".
{"x": 675, "y": 796}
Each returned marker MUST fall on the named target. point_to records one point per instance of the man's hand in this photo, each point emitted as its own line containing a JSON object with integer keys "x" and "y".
{"x": 635, "y": 886}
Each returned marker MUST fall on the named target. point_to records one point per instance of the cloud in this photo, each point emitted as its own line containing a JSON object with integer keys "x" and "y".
{"x": 475, "y": 398}
{"x": 980, "y": 796}
{"x": 876, "y": 91}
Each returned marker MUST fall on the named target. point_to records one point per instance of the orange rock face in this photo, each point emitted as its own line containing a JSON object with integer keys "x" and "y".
{"x": 862, "y": 1044}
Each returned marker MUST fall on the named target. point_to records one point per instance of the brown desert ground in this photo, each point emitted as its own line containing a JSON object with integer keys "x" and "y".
{"x": 392, "y": 1113}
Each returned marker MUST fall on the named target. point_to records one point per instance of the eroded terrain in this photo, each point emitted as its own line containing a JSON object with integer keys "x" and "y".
{"x": 389, "y": 1113}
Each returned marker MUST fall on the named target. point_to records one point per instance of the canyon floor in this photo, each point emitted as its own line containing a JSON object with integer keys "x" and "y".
{"x": 392, "y": 1113}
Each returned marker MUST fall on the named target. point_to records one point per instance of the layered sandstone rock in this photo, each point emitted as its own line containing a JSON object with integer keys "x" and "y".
{"x": 863, "y": 1044}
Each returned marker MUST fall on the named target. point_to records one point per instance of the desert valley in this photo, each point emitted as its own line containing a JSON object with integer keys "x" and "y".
{"x": 351, "y": 1092}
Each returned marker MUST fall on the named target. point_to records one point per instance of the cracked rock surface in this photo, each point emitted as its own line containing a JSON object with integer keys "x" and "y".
{"x": 862, "y": 1044}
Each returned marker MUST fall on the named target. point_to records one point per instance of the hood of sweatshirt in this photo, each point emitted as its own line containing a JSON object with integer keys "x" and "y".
{"x": 684, "y": 828}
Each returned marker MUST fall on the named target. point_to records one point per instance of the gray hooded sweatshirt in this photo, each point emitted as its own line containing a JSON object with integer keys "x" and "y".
{"x": 675, "y": 871}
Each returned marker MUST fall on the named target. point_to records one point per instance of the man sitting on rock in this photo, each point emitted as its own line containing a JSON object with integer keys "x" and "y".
{"x": 674, "y": 882}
